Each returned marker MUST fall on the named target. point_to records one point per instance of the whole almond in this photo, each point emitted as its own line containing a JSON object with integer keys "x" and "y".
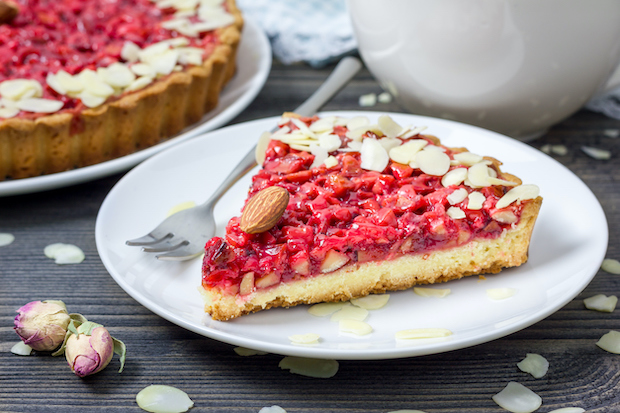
{"x": 8, "y": 11}
{"x": 264, "y": 210}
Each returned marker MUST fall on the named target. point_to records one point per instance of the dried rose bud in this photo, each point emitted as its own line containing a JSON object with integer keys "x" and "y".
{"x": 42, "y": 324}
{"x": 89, "y": 347}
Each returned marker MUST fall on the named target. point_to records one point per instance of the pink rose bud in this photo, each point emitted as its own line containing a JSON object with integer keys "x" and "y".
{"x": 89, "y": 354}
{"x": 42, "y": 324}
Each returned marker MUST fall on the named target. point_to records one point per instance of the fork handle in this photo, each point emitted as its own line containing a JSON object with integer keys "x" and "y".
{"x": 344, "y": 71}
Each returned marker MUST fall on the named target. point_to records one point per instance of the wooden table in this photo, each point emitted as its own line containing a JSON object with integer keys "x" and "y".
{"x": 218, "y": 380}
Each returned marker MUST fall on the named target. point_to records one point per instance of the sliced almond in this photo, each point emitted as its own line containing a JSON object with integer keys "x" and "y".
{"x": 611, "y": 266}
{"x": 534, "y": 364}
{"x": 39, "y": 105}
{"x": 64, "y": 253}
{"x": 16, "y": 89}
{"x": 130, "y": 52}
{"x": 610, "y": 342}
{"x": 261, "y": 147}
{"x": 356, "y": 327}
{"x": 90, "y": 100}
{"x": 422, "y": 333}
{"x": 317, "y": 368}
{"x": 264, "y": 210}
{"x": 333, "y": 260}
{"x": 267, "y": 280}
{"x": 247, "y": 284}
{"x": 500, "y": 293}
{"x": 6, "y": 239}
{"x": 518, "y": 193}
{"x": 475, "y": 201}
{"x": 163, "y": 399}
{"x": 455, "y": 213}
{"x": 601, "y": 302}
{"x": 165, "y": 62}
{"x": 467, "y": 158}
{"x": 374, "y": 156}
{"x": 478, "y": 175}
{"x": 6, "y": 113}
{"x": 432, "y": 162}
{"x": 323, "y": 125}
{"x": 21, "y": 349}
{"x": 330, "y": 161}
{"x": 350, "y": 313}
{"x": 517, "y": 398}
{"x": 457, "y": 196}
{"x": 325, "y": 309}
{"x": 330, "y": 142}
{"x": 505, "y": 217}
{"x": 389, "y": 127}
{"x": 304, "y": 339}
{"x": 118, "y": 75}
{"x": 432, "y": 292}
{"x": 406, "y": 152}
{"x": 371, "y": 302}
{"x": 596, "y": 153}
{"x": 356, "y": 122}
{"x": 454, "y": 177}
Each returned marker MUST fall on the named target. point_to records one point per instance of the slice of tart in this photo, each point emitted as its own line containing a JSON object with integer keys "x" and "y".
{"x": 343, "y": 208}
{"x": 85, "y": 81}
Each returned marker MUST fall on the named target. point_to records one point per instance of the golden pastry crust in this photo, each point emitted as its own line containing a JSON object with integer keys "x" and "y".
{"x": 62, "y": 141}
{"x": 357, "y": 280}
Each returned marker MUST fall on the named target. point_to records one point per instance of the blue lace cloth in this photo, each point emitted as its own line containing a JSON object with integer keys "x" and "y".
{"x": 314, "y": 31}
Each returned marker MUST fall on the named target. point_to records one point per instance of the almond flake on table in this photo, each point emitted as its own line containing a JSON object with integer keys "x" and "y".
{"x": 611, "y": 133}
{"x": 384, "y": 97}
{"x": 272, "y": 409}
{"x": 596, "y": 153}
{"x": 368, "y": 100}
{"x": 611, "y": 266}
{"x": 6, "y": 239}
{"x": 317, "y": 368}
{"x": 517, "y": 398}
{"x": 610, "y": 342}
{"x": 21, "y": 349}
{"x": 534, "y": 364}
{"x": 64, "y": 253}
{"x": 163, "y": 399}
{"x": 601, "y": 302}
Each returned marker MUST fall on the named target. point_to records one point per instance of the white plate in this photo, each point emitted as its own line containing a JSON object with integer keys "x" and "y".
{"x": 253, "y": 66}
{"x": 567, "y": 248}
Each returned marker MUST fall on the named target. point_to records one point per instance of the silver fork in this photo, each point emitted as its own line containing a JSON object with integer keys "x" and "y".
{"x": 182, "y": 236}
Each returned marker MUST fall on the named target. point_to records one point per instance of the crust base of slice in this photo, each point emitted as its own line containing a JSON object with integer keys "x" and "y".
{"x": 357, "y": 280}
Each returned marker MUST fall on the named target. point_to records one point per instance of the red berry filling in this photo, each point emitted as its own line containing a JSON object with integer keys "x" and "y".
{"x": 345, "y": 214}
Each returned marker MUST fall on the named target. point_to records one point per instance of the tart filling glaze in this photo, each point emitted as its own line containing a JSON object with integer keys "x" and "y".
{"x": 361, "y": 196}
{"x": 84, "y": 81}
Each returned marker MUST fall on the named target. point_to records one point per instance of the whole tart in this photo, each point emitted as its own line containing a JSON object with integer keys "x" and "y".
{"x": 343, "y": 208}
{"x": 86, "y": 81}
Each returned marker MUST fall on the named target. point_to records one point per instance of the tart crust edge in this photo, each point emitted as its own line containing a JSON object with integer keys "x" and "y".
{"x": 357, "y": 280}
{"x": 62, "y": 141}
